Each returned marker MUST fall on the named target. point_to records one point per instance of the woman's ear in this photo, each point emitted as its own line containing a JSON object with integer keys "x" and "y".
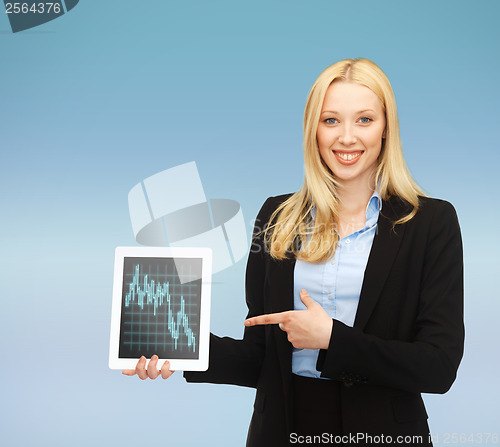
{"x": 384, "y": 133}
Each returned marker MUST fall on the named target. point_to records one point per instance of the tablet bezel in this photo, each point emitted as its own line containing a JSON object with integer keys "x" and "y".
{"x": 205, "y": 254}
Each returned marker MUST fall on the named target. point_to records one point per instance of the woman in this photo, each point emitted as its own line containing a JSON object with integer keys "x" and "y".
{"x": 354, "y": 285}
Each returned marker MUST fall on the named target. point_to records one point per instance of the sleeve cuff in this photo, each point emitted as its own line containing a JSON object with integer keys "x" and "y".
{"x": 322, "y": 352}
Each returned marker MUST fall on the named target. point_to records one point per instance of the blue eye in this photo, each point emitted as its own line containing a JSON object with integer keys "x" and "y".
{"x": 331, "y": 121}
{"x": 365, "y": 120}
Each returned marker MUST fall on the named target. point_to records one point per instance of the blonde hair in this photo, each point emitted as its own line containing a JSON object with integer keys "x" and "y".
{"x": 293, "y": 220}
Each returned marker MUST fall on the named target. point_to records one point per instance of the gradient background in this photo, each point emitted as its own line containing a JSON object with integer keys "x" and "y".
{"x": 117, "y": 90}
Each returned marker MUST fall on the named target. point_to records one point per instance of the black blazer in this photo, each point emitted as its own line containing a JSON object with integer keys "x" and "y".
{"x": 407, "y": 338}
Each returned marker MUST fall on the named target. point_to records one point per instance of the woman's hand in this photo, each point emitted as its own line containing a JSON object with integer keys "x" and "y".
{"x": 152, "y": 371}
{"x": 306, "y": 329}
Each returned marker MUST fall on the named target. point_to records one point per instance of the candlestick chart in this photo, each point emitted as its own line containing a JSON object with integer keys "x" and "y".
{"x": 160, "y": 314}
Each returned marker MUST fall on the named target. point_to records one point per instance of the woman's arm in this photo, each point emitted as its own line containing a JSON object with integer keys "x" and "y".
{"x": 238, "y": 362}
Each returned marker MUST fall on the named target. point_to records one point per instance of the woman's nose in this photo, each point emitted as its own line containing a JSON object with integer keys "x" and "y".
{"x": 347, "y": 136}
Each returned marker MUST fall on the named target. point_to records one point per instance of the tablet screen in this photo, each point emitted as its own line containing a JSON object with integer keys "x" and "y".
{"x": 160, "y": 314}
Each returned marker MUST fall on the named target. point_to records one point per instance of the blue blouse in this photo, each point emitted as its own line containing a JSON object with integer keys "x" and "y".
{"x": 336, "y": 283}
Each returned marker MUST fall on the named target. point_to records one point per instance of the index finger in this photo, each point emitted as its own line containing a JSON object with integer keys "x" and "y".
{"x": 266, "y": 319}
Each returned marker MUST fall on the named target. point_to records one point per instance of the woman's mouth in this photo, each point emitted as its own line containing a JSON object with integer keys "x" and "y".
{"x": 348, "y": 158}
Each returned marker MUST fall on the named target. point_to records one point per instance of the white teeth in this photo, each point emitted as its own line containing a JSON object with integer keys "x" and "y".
{"x": 348, "y": 157}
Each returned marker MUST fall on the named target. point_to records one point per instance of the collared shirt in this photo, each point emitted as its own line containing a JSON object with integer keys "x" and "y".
{"x": 336, "y": 283}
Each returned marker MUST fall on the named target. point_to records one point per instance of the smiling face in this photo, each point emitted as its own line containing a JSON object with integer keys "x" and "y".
{"x": 350, "y": 132}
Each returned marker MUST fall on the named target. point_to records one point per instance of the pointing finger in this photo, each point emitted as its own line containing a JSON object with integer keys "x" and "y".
{"x": 266, "y": 319}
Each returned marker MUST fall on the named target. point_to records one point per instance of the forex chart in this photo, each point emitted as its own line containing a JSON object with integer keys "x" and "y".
{"x": 160, "y": 313}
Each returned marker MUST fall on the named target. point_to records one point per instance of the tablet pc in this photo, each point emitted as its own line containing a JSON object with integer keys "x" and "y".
{"x": 161, "y": 305}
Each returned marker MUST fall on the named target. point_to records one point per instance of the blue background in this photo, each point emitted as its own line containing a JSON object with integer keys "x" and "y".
{"x": 117, "y": 90}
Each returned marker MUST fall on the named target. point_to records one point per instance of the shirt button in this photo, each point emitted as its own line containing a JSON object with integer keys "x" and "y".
{"x": 330, "y": 295}
{"x": 333, "y": 261}
{"x": 347, "y": 241}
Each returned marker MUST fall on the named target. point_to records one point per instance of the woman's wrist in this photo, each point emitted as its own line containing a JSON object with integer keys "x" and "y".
{"x": 325, "y": 339}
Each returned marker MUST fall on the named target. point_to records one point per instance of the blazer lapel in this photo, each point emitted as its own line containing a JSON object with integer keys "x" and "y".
{"x": 382, "y": 255}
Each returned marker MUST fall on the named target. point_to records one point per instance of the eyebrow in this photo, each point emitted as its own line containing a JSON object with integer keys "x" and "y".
{"x": 337, "y": 113}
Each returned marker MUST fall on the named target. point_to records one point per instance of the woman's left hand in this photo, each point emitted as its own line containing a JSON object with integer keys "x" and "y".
{"x": 306, "y": 329}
